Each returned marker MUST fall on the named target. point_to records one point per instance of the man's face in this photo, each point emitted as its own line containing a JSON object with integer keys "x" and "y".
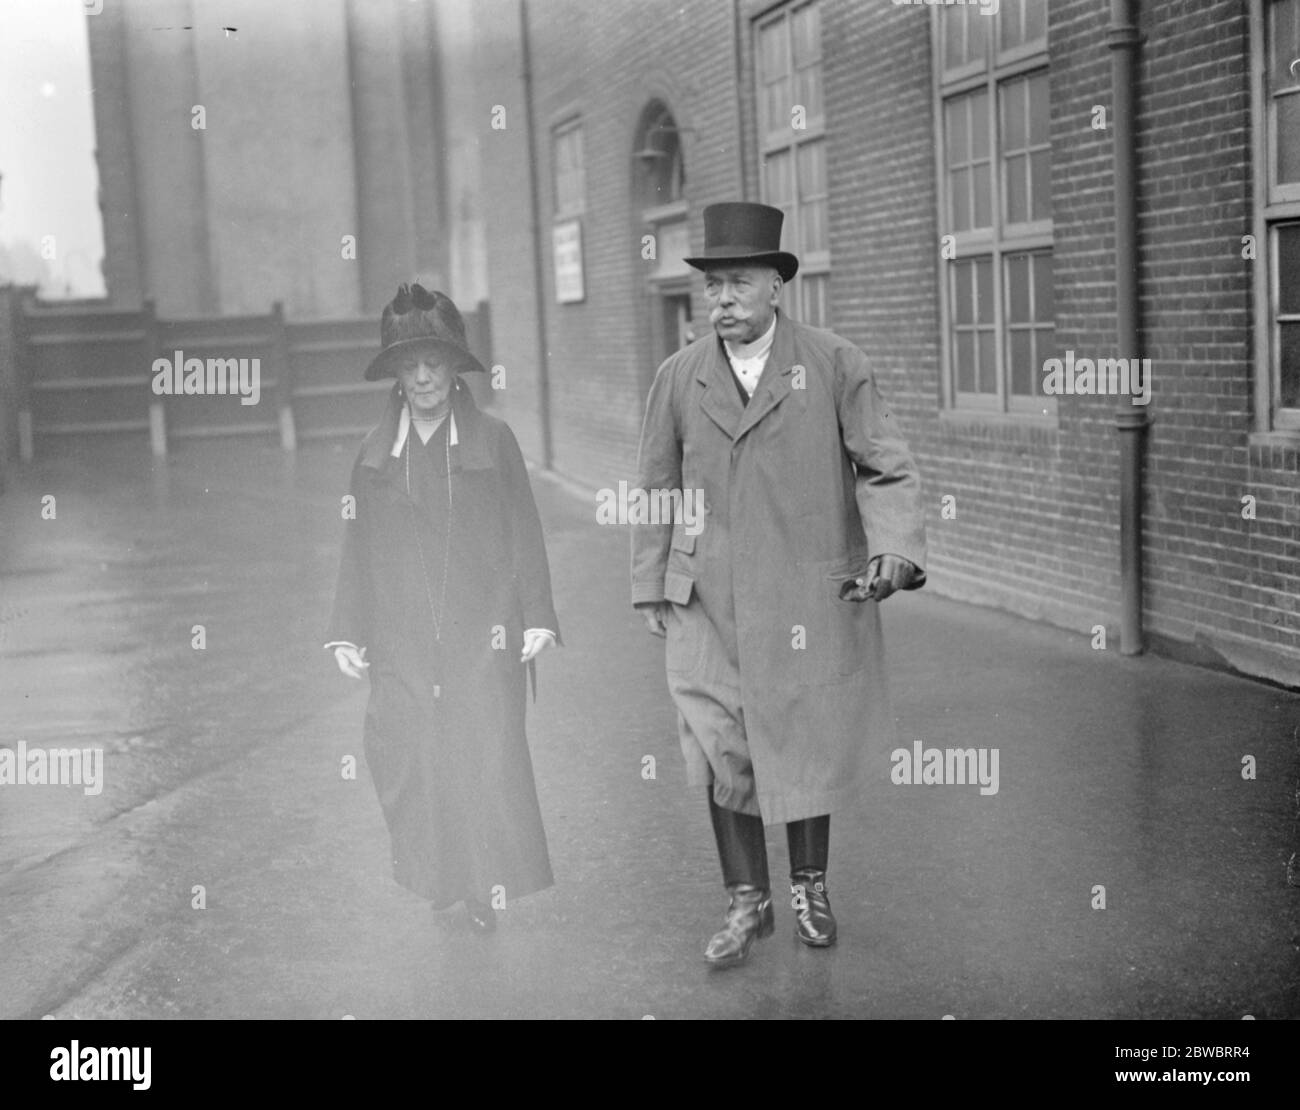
{"x": 742, "y": 300}
{"x": 427, "y": 384}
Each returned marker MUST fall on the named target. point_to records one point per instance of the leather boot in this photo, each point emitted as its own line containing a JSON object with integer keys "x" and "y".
{"x": 814, "y": 924}
{"x": 742, "y": 851}
{"x": 749, "y": 916}
{"x": 742, "y": 846}
{"x": 809, "y": 843}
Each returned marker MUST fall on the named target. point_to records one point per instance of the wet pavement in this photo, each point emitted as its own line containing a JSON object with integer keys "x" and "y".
{"x": 223, "y": 771}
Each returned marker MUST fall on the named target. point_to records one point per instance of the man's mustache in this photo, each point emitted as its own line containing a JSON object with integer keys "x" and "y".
{"x": 736, "y": 314}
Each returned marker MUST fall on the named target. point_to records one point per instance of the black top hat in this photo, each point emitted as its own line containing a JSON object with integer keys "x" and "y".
{"x": 417, "y": 321}
{"x": 740, "y": 231}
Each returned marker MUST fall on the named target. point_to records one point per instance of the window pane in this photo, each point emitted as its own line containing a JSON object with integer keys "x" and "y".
{"x": 812, "y": 226}
{"x": 1290, "y": 360}
{"x": 1044, "y": 305}
{"x": 955, "y": 126}
{"x": 1288, "y": 137}
{"x": 1013, "y": 115}
{"x": 988, "y": 363}
{"x": 1035, "y": 20}
{"x": 815, "y": 300}
{"x": 1017, "y": 195}
{"x": 1012, "y": 23}
{"x": 1018, "y": 289}
{"x": 953, "y": 39}
{"x": 812, "y": 169}
{"x": 808, "y": 87}
{"x": 976, "y": 34}
{"x": 984, "y": 290}
{"x": 979, "y": 129}
{"x": 1040, "y": 166}
{"x": 959, "y": 191}
{"x": 772, "y": 49}
{"x": 1022, "y": 363}
{"x": 1040, "y": 108}
{"x": 806, "y": 28}
{"x": 1288, "y": 269}
{"x": 1286, "y": 44}
{"x": 1044, "y": 348}
{"x": 965, "y": 353}
{"x": 983, "y": 213}
{"x": 965, "y": 302}
{"x": 778, "y": 186}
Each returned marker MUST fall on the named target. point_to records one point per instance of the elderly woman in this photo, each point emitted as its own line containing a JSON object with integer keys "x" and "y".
{"x": 444, "y": 600}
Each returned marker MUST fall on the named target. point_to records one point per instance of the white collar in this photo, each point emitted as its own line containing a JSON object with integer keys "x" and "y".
{"x": 757, "y": 349}
{"x": 404, "y": 429}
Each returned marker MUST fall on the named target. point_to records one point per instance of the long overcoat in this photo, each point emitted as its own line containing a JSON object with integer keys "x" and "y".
{"x": 444, "y": 728}
{"x": 779, "y": 685}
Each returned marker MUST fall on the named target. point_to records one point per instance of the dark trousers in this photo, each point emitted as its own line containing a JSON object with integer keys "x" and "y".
{"x": 742, "y": 846}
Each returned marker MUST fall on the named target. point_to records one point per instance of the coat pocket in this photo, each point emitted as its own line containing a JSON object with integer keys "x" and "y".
{"x": 846, "y": 624}
{"x": 684, "y": 648}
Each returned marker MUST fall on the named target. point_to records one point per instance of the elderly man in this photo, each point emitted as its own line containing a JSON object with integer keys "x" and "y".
{"x": 810, "y": 507}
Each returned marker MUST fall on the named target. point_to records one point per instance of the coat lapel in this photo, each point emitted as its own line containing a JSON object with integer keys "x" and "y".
{"x": 774, "y": 384}
{"x": 719, "y": 402}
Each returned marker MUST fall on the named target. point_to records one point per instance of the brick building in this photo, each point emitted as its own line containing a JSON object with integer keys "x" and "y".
{"x": 950, "y": 179}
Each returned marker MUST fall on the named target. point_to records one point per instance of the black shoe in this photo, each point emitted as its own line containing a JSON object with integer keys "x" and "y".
{"x": 482, "y": 917}
{"x": 814, "y": 924}
{"x": 749, "y": 916}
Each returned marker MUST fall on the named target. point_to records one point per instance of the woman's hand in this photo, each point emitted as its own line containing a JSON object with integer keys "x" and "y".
{"x": 536, "y": 640}
{"x": 351, "y": 661}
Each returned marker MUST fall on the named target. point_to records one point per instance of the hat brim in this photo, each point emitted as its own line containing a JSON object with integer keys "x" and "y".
{"x": 384, "y": 364}
{"x": 783, "y": 262}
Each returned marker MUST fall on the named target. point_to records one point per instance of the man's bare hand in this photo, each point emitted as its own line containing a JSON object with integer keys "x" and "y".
{"x": 885, "y": 574}
{"x": 656, "y": 618}
{"x": 351, "y": 661}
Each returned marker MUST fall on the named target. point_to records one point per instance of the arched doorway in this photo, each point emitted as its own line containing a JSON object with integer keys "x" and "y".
{"x": 659, "y": 195}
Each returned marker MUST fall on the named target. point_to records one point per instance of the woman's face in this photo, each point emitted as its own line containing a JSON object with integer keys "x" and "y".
{"x": 427, "y": 385}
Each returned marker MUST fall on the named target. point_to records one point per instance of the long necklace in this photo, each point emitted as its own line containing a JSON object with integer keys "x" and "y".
{"x": 415, "y": 523}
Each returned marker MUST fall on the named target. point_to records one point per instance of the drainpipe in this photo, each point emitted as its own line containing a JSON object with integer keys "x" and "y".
{"x": 737, "y": 33}
{"x": 539, "y": 271}
{"x": 1130, "y": 419}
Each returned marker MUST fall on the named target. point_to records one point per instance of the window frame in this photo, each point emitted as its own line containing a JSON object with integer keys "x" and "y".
{"x": 784, "y": 139}
{"x": 1001, "y": 239}
{"x": 1273, "y": 207}
{"x": 569, "y": 126}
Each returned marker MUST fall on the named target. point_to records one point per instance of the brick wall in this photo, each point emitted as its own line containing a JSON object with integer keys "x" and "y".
{"x": 606, "y": 63}
{"x": 1211, "y": 575}
{"x": 1037, "y": 529}
{"x": 1037, "y": 523}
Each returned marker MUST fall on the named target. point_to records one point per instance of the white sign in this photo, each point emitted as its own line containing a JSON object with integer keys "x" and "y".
{"x": 566, "y": 242}
{"x": 674, "y": 246}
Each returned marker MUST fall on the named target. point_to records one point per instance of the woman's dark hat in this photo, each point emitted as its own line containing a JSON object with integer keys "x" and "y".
{"x": 744, "y": 232}
{"x": 417, "y": 321}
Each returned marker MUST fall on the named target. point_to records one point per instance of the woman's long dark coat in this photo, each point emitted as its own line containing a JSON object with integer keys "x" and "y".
{"x": 444, "y": 733}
